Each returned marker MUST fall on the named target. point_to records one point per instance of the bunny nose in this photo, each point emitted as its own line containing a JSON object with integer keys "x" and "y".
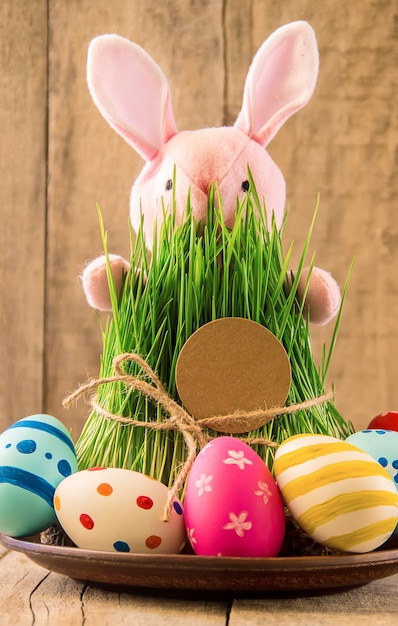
{"x": 199, "y": 201}
{"x": 204, "y": 183}
{"x": 200, "y": 196}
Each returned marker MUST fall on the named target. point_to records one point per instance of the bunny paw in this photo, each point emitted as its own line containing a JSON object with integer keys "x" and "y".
{"x": 95, "y": 280}
{"x": 323, "y": 297}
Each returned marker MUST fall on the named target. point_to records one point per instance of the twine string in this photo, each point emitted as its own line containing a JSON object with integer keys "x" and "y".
{"x": 265, "y": 415}
{"x": 179, "y": 419}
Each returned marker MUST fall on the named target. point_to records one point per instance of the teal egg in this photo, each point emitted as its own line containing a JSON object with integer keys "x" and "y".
{"x": 382, "y": 445}
{"x": 36, "y": 454}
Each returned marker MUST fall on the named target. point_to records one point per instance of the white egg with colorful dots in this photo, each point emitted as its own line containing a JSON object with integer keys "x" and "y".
{"x": 36, "y": 454}
{"x": 119, "y": 510}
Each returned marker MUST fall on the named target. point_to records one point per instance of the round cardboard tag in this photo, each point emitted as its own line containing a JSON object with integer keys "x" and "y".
{"x": 232, "y": 364}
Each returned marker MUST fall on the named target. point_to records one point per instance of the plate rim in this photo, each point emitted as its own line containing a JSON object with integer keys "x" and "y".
{"x": 257, "y": 575}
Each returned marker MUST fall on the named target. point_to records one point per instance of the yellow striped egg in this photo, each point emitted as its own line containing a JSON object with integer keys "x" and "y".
{"x": 338, "y": 494}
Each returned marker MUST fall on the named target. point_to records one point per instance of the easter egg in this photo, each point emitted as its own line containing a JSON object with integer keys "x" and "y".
{"x": 232, "y": 505}
{"x": 119, "y": 510}
{"x": 338, "y": 494}
{"x": 36, "y": 454}
{"x": 380, "y": 444}
{"x": 385, "y": 421}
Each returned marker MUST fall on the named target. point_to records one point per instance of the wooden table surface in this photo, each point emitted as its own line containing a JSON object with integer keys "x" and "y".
{"x": 30, "y": 594}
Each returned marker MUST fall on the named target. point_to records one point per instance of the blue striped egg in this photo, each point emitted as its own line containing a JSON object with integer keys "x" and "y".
{"x": 338, "y": 494}
{"x": 36, "y": 454}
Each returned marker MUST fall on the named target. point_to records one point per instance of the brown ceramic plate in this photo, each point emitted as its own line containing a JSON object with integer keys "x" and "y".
{"x": 184, "y": 573}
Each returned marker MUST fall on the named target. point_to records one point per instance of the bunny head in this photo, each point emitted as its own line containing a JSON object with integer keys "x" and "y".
{"x": 133, "y": 95}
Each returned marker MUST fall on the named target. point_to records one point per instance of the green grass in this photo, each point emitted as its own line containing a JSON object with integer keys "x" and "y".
{"x": 198, "y": 273}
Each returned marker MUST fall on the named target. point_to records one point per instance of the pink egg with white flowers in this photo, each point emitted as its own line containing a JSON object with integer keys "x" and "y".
{"x": 233, "y": 506}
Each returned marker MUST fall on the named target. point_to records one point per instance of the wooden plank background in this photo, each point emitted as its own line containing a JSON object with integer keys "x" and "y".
{"x": 58, "y": 158}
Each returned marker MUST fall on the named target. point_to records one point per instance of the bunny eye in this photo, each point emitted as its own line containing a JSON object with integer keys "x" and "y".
{"x": 169, "y": 185}
{"x": 245, "y": 186}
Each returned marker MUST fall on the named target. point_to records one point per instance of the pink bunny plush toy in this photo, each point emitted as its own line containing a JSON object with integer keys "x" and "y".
{"x": 133, "y": 95}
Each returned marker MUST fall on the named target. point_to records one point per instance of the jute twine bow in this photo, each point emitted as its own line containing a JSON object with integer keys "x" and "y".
{"x": 179, "y": 419}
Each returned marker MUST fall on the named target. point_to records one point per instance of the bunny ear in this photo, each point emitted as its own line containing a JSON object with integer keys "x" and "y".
{"x": 131, "y": 92}
{"x": 280, "y": 81}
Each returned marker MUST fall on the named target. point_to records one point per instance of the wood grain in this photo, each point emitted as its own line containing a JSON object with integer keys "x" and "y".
{"x": 23, "y": 149}
{"x": 343, "y": 145}
{"x": 89, "y": 163}
{"x": 18, "y": 581}
{"x": 375, "y": 601}
{"x": 30, "y": 594}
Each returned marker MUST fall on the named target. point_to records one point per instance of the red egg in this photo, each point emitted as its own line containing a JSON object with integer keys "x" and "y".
{"x": 385, "y": 421}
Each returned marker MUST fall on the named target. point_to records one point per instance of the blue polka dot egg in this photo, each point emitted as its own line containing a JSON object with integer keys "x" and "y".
{"x": 382, "y": 445}
{"x": 36, "y": 454}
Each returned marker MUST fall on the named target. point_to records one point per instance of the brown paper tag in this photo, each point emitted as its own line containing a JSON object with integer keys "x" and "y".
{"x": 232, "y": 364}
